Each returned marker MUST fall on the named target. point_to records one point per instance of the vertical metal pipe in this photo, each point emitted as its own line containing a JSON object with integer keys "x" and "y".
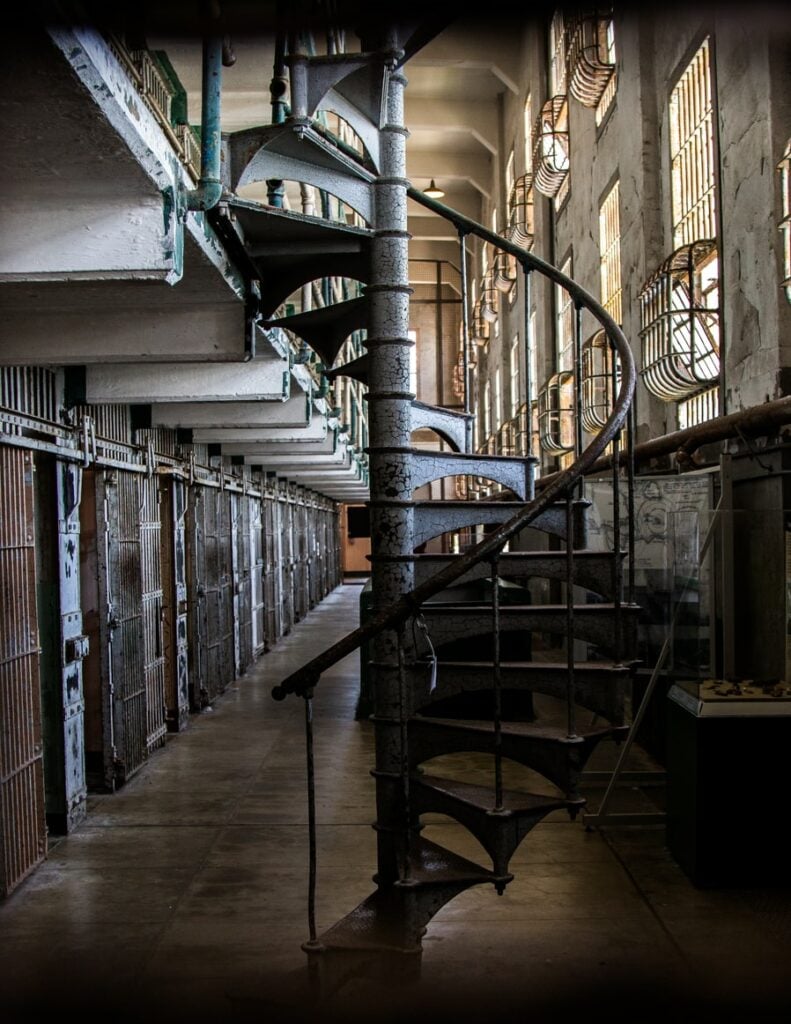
{"x": 571, "y": 718}
{"x": 528, "y": 276}
{"x": 209, "y": 189}
{"x": 497, "y": 688}
{"x": 465, "y": 320}
{"x": 438, "y": 330}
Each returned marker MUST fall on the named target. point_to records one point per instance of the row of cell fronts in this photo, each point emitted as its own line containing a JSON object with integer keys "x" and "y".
{"x": 132, "y": 597}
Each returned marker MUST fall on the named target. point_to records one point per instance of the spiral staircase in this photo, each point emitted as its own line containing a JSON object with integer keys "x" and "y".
{"x": 430, "y": 700}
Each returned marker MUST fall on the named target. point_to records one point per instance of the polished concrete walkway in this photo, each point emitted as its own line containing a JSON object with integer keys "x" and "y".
{"x": 183, "y": 896}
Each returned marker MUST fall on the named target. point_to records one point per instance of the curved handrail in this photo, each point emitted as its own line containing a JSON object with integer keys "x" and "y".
{"x": 305, "y": 678}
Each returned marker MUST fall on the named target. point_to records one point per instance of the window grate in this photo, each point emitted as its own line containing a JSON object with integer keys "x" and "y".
{"x": 680, "y": 323}
{"x": 551, "y": 148}
{"x": 521, "y": 210}
{"x": 504, "y": 271}
{"x": 591, "y": 57}
{"x": 556, "y": 414}
{"x": 598, "y": 394}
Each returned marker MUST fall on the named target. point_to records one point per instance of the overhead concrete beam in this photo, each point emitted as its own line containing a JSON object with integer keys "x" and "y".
{"x": 431, "y": 228}
{"x": 477, "y": 118}
{"x": 295, "y": 411}
{"x": 129, "y": 383}
{"x": 477, "y": 170}
{"x": 492, "y": 46}
{"x": 307, "y": 435}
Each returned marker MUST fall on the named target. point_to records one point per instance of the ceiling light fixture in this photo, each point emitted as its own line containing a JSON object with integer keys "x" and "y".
{"x": 433, "y": 192}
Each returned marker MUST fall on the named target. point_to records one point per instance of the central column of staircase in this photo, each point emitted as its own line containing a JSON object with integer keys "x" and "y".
{"x": 390, "y": 464}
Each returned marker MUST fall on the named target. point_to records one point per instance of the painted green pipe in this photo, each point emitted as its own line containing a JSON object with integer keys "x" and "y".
{"x": 209, "y": 189}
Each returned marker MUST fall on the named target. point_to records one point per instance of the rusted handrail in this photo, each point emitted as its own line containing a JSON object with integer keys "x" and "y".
{"x": 306, "y": 677}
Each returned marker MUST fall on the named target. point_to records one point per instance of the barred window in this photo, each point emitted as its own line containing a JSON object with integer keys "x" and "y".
{"x": 679, "y": 304}
{"x": 564, "y": 323}
{"x": 557, "y": 54}
{"x": 516, "y": 382}
{"x": 785, "y": 223}
{"x": 528, "y": 117}
{"x": 610, "y": 252}
{"x": 692, "y": 152}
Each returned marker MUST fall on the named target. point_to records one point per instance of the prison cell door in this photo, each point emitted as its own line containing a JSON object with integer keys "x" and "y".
{"x": 197, "y": 601}
{"x": 23, "y": 837}
{"x": 257, "y": 577}
{"x": 121, "y": 625}
{"x": 152, "y": 612}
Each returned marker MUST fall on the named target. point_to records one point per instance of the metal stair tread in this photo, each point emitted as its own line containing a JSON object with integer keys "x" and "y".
{"x": 525, "y": 460}
{"x": 449, "y": 607}
{"x": 514, "y": 802}
{"x": 517, "y": 556}
{"x": 529, "y": 730}
{"x": 375, "y": 923}
{"x": 605, "y": 667}
{"x": 278, "y": 225}
{"x": 300, "y": 140}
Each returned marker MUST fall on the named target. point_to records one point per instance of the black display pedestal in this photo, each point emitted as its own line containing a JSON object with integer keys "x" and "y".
{"x": 728, "y": 766}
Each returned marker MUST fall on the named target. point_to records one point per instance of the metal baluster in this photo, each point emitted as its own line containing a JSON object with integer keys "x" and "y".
{"x": 402, "y": 717}
{"x": 617, "y": 569}
{"x": 528, "y": 356}
{"x": 311, "y": 817}
{"x": 497, "y": 681}
{"x": 465, "y": 320}
{"x": 571, "y": 716}
{"x": 630, "y": 441}
{"x": 578, "y": 438}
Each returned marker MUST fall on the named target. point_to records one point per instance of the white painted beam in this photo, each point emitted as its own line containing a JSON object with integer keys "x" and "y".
{"x": 477, "y": 118}
{"x": 296, "y": 411}
{"x": 477, "y": 170}
{"x": 146, "y": 383}
{"x": 313, "y": 432}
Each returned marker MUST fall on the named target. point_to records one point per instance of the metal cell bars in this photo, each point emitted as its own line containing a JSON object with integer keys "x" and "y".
{"x": 679, "y": 316}
{"x": 551, "y": 146}
{"x": 31, "y": 390}
{"x": 23, "y": 835}
{"x": 692, "y": 152}
{"x": 591, "y": 57}
{"x": 521, "y": 212}
{"x": 110, "y": 422}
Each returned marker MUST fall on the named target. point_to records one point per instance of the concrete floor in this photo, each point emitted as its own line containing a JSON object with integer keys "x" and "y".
{"x": 183, "y": 896}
